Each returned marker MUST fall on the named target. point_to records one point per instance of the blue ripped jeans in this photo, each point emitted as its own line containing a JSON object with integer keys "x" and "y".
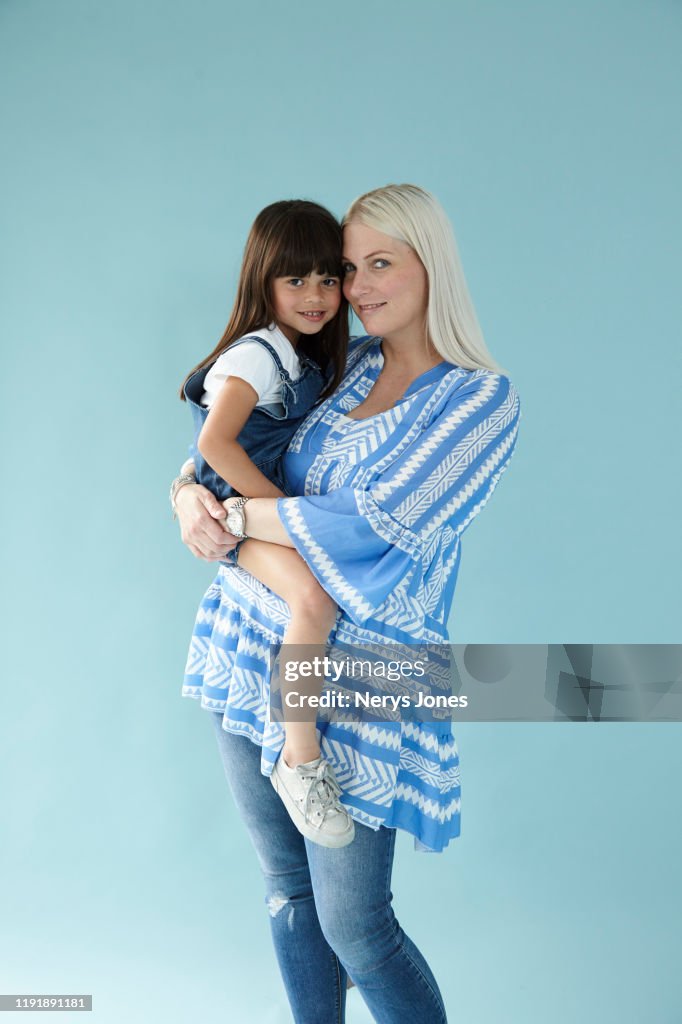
{"x": 330, "y": 910}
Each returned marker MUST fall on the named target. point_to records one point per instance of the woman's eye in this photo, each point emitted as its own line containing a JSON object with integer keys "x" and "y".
{"x": 384, "y": 263}
{"x": 348, "y": 268}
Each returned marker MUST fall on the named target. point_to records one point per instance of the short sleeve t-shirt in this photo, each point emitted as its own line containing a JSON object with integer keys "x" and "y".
{"x": 254, "y": 364}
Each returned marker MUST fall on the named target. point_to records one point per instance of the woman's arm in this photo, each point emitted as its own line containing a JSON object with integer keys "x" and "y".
{"x": 373, "y": 544}
{"x": 218, "y": 444}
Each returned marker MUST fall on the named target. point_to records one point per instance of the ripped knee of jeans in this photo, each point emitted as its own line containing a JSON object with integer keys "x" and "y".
{"x": 276, "y": 903}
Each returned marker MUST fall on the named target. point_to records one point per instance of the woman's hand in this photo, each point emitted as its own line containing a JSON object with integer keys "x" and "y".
{"x": 201, "y": 518}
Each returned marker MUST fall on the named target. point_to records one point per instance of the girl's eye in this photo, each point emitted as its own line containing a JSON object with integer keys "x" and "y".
{"x": 331, "y": 282}
{"x": 296, "y": 281}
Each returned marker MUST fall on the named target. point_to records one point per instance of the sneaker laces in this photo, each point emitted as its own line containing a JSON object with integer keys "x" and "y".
{"x": 323, "y": 787}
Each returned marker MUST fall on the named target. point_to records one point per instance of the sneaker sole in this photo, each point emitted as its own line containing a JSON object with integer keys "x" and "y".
{"x": 331, "y": 842}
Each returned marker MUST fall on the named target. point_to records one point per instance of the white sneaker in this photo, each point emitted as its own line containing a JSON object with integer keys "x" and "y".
{"x": 310, "y": 794}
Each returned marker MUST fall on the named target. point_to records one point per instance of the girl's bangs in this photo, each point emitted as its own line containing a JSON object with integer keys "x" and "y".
{"x": 308, "y": 245}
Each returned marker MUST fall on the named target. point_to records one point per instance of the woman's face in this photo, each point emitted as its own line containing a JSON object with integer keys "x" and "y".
{"x": 385, "y": 282}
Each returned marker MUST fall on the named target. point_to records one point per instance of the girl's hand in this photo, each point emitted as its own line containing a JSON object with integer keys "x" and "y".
{"x": 201, "y": 518}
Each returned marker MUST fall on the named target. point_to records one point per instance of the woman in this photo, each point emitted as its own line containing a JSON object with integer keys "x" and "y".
{"x": 385, "y": 476}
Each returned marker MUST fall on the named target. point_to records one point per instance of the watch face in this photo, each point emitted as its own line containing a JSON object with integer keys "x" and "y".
{"x": 235, "y": 522}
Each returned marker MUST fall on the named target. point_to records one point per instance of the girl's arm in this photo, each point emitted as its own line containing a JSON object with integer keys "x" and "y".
{"x": 262, "y": 522}
{"x": 218, "y": 443}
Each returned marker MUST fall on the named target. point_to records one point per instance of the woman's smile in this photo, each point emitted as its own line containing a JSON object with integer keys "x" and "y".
{"x": 369, "y": 307}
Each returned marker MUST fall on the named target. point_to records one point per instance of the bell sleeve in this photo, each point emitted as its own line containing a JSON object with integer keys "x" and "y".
{"x": 364, "y": 543}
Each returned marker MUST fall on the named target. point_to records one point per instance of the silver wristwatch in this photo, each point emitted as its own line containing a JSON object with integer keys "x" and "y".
{"x": 236, "y": 520}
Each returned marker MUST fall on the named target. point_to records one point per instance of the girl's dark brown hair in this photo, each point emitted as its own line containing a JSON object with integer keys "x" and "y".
{"x": 291, "y": 238}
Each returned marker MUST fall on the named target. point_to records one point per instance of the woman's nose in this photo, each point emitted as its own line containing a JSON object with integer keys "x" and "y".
{"x": 357, "y": 285}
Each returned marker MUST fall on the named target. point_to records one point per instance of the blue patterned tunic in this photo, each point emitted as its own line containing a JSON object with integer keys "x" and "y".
{"x": 380, "y": 509}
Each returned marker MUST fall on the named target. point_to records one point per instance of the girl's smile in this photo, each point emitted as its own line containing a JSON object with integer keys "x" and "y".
{"x": 303, "y": 305}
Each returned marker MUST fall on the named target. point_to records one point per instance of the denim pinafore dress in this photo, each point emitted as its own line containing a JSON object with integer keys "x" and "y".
{"x": 266, "y": 434}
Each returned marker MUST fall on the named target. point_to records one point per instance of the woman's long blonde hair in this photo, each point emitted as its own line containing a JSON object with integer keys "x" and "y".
{"x": 413, "y": 215}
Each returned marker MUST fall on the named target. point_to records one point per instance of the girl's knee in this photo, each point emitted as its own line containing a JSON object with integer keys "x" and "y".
{"x": 315, "y": 603}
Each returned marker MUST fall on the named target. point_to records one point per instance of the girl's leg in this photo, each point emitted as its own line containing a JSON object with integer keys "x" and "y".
{"x": 313, "y": 976}
{"x": 353, "y": 897}
{"x": 313, "y": 614}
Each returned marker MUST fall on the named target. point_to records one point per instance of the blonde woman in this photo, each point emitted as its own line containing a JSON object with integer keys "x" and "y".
{"x": 384, "y": 476}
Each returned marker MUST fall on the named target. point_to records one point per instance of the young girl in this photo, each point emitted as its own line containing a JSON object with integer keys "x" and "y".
{"x": 284, "y": 348}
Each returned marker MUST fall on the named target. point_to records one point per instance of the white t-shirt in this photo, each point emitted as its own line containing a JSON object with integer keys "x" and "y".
{"x": 254, "y": 364}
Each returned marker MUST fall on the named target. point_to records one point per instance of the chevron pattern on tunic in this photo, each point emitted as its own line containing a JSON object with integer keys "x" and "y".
{"x": 347, "y": 632}
{"x": 245, "y": 693}
{"x": 273, "y": 734}
{"x": 441, "y": 570}
{"x": 338, "y": 475}
{"x": 318, "y": 470}
{"x": 429, "y": 772}
{"x": 422, "y": 499}
{"x": 359, "y": 438}
{"x": 247, "y": 699}
{"x": 210, "y": 703}
{"x": 438, "y": 437}
{"x": 371, "y": 820}
{"x": 353, "y": 396}
{"x": 429, "y": 740}
{"x": 190, "y": 690}
{"x": 252, "y": 592}
{"x": 353, "y": 383}
{"x": 427, "y": 806}
{"x": 206, "y": 615}
{"x": 433, "y": 561}
{"x": 477, "y": 508}
{"x": 196, "y": 656}
{"x": 402, "y": 610}
{"x": 369, "y": 779}
{"x": 218, "y": 668}
{"x": 421, "y": 421}
{"x": 226, "y": 626}
{"x": 485, "y": 474}
{"x": 430, "y": 548}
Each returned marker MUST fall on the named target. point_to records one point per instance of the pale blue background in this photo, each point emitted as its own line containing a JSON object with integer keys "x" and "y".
{"x": 140, "y": 138}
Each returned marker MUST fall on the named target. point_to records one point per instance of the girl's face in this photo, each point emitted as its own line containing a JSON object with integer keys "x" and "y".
{"x": 303, "y": 305}
{"x": 385, "y": 282}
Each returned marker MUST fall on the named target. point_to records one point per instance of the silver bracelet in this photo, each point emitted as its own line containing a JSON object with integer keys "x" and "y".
{"x": 180, "y": 481}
